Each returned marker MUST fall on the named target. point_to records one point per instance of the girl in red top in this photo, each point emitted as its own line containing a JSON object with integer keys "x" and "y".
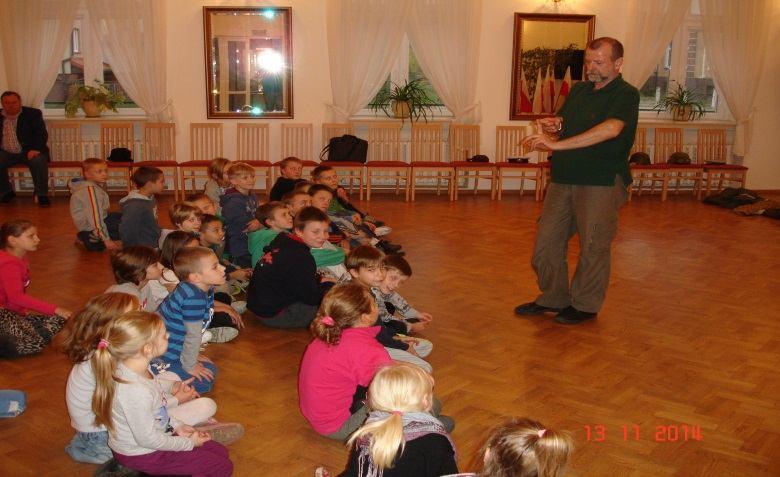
{"x": 26, "y": 323}
{"x": 340, "y": 362}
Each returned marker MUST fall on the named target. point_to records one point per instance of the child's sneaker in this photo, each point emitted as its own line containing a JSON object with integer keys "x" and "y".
{"x": 239, "y": 306}
{"x": 206, "y": 337}
{"x": 222, "y": 334}
{"x": 382, "y": 231}
{"x": 223, "y": 432}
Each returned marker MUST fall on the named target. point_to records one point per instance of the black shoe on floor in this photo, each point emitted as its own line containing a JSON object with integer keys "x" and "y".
{"x": 388, "y": 248}
{"x": 531, "y": 308}
{"x": 43, "y": 201}
{"x": 573, "y": 316}
{"x": 7, "y": 197}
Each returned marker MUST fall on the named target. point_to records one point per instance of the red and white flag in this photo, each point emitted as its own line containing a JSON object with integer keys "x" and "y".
{"x": 525, "y": 98}
{"x": 537, "y": 101}
{"x": 564, "y": 91}
{"x": 546, "y": 103}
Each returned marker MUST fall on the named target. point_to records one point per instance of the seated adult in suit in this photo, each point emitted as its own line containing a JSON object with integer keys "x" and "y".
{"x": 23, "y": 139}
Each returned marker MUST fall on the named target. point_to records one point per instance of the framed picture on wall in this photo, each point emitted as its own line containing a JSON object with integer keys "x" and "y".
{"x": 547, "y": 59}
{"x": 248, "y": 55}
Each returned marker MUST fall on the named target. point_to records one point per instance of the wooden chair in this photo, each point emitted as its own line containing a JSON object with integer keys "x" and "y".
{"x": 65, "y": 153}
{"x": 297, "y": 140}
{"x": 650, "y": 174}
{"x": 205, "y": 145}
{"x": 463, "y": 143}
{"x": 711, "y": 147}
{"x": 252, "y": 148}
{"x": 113, "y": 135}
{"x": 158, "y": 149}
{"x": 350, "y": 172}
{"x": 384, "y": 156}
{"x": 667, "y": 142}
{"x": 427, "y": 160}
{"x": 508, "y": 145}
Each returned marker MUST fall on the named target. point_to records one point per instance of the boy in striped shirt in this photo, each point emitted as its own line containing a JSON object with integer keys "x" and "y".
{"x": 98, "y": 229}
{"x": 187, "y": 311}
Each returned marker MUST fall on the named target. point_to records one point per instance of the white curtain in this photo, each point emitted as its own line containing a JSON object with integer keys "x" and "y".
{"x": 364, "y": 37}
{"x": 651, "y": 26}
{"x": 33, "y": 37}
{"x": 736, "y": 35}
{"x": 445, "y": 37}
{"x": 132, "y": 35}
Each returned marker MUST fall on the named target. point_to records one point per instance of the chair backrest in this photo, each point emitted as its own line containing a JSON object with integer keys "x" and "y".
{"x": 331, "y": 130}
{"x": 711, "y": 146}
{"x": 667, "y": 141}
{"x": 508, "y": 142}
{"x": 159, "y": 143}
{"x": 384, "y": 141}
{"x": 297, "y": 140}
{"x": 113, "y": 135}
{"x": 463, "y": 141}
{"x": 205, "y": 141}
{"x": 252, "y": 144}
{"x": 427, "y": 142}
{"x": 640, "y": 141}
{"x": 65, "y": 141}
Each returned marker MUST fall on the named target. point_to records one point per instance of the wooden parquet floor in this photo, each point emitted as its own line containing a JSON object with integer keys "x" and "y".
{"x": 689, "y": 336}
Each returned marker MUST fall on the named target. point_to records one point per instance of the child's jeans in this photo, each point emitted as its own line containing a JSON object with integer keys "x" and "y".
{"x": 211, "y": 459}
{"x": 12, "y": 402}
{"x": 90, "y": 447}
{"x": 200, "y": 385}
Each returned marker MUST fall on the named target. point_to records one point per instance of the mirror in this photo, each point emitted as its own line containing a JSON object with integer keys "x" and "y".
{"x": 548, "y": 54}
{"x": 248, "y": 62}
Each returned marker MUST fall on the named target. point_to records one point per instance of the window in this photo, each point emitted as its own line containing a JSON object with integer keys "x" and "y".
{"x": 75, "y": 63}
{"x": 685, "y": 62}
{"x": 407, "y": 68}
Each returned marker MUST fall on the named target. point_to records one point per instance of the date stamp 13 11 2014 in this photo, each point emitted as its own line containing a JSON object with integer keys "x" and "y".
{"x": 634, "y": 432}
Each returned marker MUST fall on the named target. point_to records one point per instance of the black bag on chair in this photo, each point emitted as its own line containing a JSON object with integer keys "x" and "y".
{"x": 639, "y": 158}
{"x": 681, "y": 158}
{"x": 346, "y": 148}
{"x": 120, "y": 154}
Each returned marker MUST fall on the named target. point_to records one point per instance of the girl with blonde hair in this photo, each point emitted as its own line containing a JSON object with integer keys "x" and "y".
{"x": 129, "y": 401}
{"x": 79, "y": 340}
{"x": 401, "y": 437}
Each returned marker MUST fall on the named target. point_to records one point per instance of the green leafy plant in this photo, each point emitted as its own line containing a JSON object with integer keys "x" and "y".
{"x": 408, "y": 101}
{"x": 100, "y": 94}
{"x": 684, "y": 104}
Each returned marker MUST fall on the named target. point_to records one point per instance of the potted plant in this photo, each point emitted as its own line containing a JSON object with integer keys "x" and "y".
{"x": 408, "y": 101}
{"x": 682, "y": 103}
{"x": 93, "y": 100}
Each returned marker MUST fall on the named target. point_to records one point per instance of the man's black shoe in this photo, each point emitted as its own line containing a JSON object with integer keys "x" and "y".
{"x": 573, "y": 316}
{"x": 532, "y": 308}
{"x": 43, "y": 201}
{"x": 7, "y": 197}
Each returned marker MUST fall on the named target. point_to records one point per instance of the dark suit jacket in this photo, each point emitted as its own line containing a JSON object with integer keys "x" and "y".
{"x": 30, "y": 130}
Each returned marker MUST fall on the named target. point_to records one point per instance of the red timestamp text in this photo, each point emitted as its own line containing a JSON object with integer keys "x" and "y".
{"x": 634, "y": 432}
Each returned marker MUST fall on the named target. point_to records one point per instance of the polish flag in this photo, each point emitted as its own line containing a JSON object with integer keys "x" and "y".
{"x": 546, "y": 104}
{"x": 537, "y": 101}
{"x": 564, "y": 91}
{"x": 525, "y": 100}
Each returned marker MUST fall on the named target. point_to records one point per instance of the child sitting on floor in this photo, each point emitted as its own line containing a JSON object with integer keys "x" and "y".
{"x": 297, "y": 200}
{"x": 139, "y": 209}
{"x": 212, "y": 235}
{"x": 239, "y": 206}
{"x": 340, "y": 362}
{"x": 366, "y": 265}
{"x": 134, "y": 268}
{"x": 290, "y": 169}
{"x": 129, "y": 402}
{"x": 275, "y": 218}
{"x": 202, "y": 202}
{"x": 390, "y": 302}
{"x": 185, "y": 217}
{"x": 218, "y": 181}
{"x": 401, "y": 437}
{"x": 27, "y": 324}
{"x": 98, "y": 229}
{"x": 188, "y": 311}
{"x": 285, "y": 289}
{"x": 78, "y": 340}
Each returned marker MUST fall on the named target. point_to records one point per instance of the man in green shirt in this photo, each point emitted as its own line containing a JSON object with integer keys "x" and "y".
{"x": 590, "y": 138}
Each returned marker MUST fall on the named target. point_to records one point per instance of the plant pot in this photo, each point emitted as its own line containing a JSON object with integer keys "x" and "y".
{"x": 91, "y": 109}
{"x": 401, "y": 109}
{"x": 682, "y": 114}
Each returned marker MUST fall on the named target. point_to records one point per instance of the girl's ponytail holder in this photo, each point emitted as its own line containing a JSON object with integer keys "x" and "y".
{"x": 102, "y": 344}
{"x": 328, "y": 321}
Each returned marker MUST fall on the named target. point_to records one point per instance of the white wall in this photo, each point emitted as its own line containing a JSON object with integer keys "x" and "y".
{"x": 186, "y": 74}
